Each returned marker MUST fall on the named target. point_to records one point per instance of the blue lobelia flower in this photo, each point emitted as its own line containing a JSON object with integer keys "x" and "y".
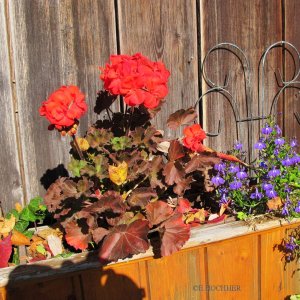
{"x": 267, "y": 186}
{"x": 217, "y": 180}
{"x": 271, "y": 193}
{"x": 233, "y": 168}
{"x": 294, "y": 142}
{"x": 266, "y": 130}
{"x": 279, "y": 141}
{"x": 278, "y": 130}
{"x": 220, "y": 167}
{"x": 256, "y": 195}
{"x": 238, "y": 146}
{"x": 287, "y": 162}
{"x": 260, "y": 145}
{"x": 241, "y": 175}
{"x": 297, "y": 209}
{"x": 274, "y": 173}
{"x": 235, "y": 185}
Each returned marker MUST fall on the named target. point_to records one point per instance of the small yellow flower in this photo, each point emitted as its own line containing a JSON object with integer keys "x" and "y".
{"x": 83, "y": 144}
{"x": 118, "y": 175}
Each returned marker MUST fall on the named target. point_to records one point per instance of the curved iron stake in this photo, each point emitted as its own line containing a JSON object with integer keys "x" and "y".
{"x": 262, "y": 63}
{"x": 232, "y": 103}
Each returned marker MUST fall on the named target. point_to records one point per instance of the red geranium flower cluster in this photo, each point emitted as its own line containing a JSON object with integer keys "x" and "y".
{"x": 136, "y": 78}
{"x": 64, "y": 107}
{"x": 193, "y": 137}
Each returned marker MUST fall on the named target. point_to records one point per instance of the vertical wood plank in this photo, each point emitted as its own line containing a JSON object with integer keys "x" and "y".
{"x": 176, "y": 276}
{"x": 292, "y": 96}
{"x": 233, "y": 263}
{"x": 272, "y": 263}
{"x": 55, "y": 43}
{"x": 252, "y": 25}
{"x": 10, "y": 176}
{"x": 116, "y": 282}
{"x": 164, "y": 30}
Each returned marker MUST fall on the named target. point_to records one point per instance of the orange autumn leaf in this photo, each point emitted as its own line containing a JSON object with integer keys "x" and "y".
{"x": 118, "y": 175}
{"x": 275, "y": 203}
{"x": 19, "y": 239}
{"x": 18, "y": 207}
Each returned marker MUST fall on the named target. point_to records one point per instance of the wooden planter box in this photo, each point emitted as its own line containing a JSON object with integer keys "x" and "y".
{"x": 227, "y": 261}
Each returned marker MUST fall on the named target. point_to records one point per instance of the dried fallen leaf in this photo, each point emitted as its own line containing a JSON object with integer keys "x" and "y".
{"x": 7, "y": 225}
{"x": 19, "y": 239}
{"x": 55, "y": 244}
{"x": 275, "y": 203}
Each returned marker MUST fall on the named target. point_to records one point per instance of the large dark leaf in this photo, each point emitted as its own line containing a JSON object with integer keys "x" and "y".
{"x": 183, "y": 185}
{"x": 176, "y": 150}
{"x": 173, "y": 173}
{"x": 181, "y": 117}
{"x": 175, "y": 234}
{"x": 110, "y": 200}
{"x": 156, "y": 166}
{"x": 5, "y": 251}
{"x": 158, "y": 212}
{"x": 125, "y": 240}
{"x": 99, "y": 233}
{"x": 54, "y": 196}
{"x": 141, "y": 196}
{"x": 75, "y": 237}
{"x": 200, "y": 161}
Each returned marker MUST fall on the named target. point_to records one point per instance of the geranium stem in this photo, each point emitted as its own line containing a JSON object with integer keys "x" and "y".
{"x": 77, "y": 147}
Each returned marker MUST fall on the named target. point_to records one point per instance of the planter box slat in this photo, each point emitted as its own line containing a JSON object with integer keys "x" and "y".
{"x": 229, "y": 254}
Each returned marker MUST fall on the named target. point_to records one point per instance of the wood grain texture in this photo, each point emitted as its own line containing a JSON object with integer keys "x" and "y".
{"x": 175, "y": 282}
{"x": 233, "y": 263}
{"x": 252, "y": 25}
{"x": 292, "y": 96}
{"x": 164, "y": 30}
{"x": 55, "y": 43}
{"x": 10, "y": 176}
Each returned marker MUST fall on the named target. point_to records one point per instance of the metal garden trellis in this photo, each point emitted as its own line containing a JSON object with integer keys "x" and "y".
{"x": 248, "y": 84}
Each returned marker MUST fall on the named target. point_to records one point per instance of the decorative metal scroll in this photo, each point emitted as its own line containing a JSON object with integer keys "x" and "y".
{"x": 248, "y": 84}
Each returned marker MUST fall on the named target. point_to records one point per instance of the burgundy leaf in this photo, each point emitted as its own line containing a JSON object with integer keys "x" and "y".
{"x": 158, "y": 212}
{"x": 123, "y": 219}
{"x": 110, "y": 200}
{"x": 5, "y": 251}
{"x": 99, "y": 233}
{"x": 183, "y": 185}
{"x": 141, "y": 196}
{"x": 173, "y": 173}
{"x": 175, "y": 234}
{"x": 181, "y": 117}
{"x": 176, "y": 150}
{"x": 154, "y": 170}
{"x": 125, "y": 240}
{"x": 200, "y": 161}
{"x": 75, "y": 237}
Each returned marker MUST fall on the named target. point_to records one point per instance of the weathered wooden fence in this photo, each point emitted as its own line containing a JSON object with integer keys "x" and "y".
{"x": 48, "y": 43}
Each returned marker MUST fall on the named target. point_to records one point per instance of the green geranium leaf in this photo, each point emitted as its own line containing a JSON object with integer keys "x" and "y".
{"x": 35, "y": 203}
{"x": 28, "y": 233}
{"x": 75, "y": 166}
{"x": 14, "y": 213}
{"x": 28, "y": 215}
{"x": 21, "y": 225}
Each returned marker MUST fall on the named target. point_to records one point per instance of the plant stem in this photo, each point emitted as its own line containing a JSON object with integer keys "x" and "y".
{"x": 77, "y": 147}
{"x": 107, "y": 110}
{"x": 110, "y": 155}
{"x": 1, "y": 210}
{"x": 129, "y": 121}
